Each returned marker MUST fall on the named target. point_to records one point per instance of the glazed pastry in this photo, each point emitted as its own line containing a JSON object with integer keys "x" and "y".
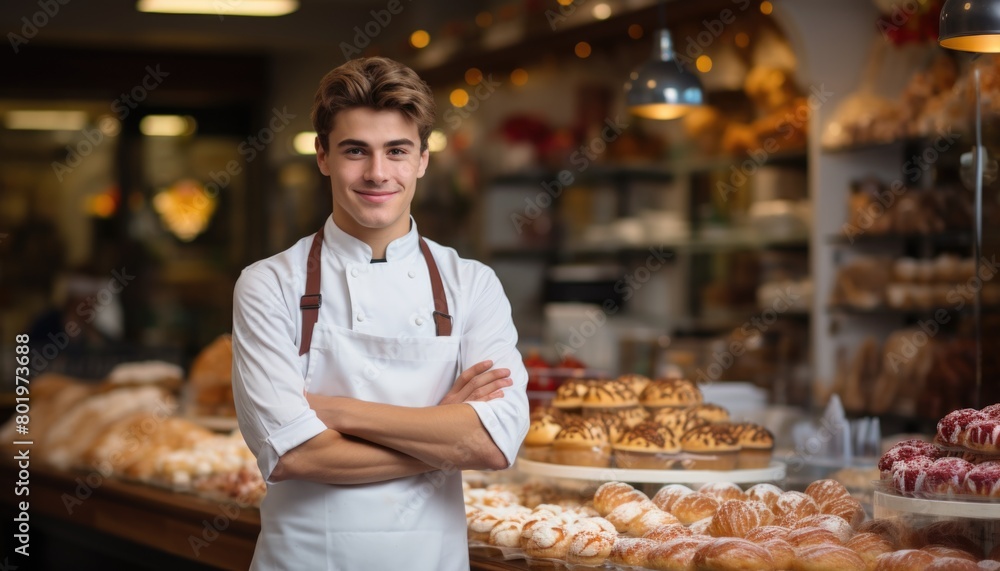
{"x": 582, "y": 443}
{"x": 782, "y": 552}
{"x": 908, "y": 475}
{"x": 710, "y": 447}
{"x": 668, "y": 495}
{"x": 828, "y": 558}
{"x": 691, "y": 508}
{"x": 650, "y": 520}
{"x": 825, "y": 491}
{"x": 836, "y": 525}
{"x": 548, "y": 540}
{"x": 701, "y": 526}
{"x": 664, "y": 533}
{"x": 904, "y": 451}
{"x": 569, "y": 395}
{"x": 767, "y": 533}
{"x": 608, "y": 395}
{"x": 541, "y": 433}
{"x": 673, "y": 393}
{"x": 806, "y": 536}
{"x": 610, "y": 495}
{"x": 636, "y": 382}
{"x": 611, "y": 422}
{"x": 677, "y": 554}
{"x": 723, "y": 491}
{"x": 623, "y": 516}
{"x": 631, "y": 551}
{"x": 590, "y": 547}
{"x": 904, "y": 560}
{"x": 736, "y": 518}
{"x": 647, "y": 446}
{"x": 710, "y": 412}
{"x": 984, "y": 480}
{"x": 756, "y": 445}
{"x": 794, "y": 506}
{"x": 951, "y": 428}
{"x": 632, "y": 416}
{"x": 767, "y": 493}
{"x": 730, "y": 553}
{"x": 869, "y": 546}
{"x": 846, "y": 508}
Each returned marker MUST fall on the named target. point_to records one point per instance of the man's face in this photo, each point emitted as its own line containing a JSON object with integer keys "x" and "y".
{"x": 374, "y": 161}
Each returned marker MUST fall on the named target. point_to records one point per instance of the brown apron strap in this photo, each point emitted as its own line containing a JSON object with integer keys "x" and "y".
{"x": 311, "y": 301}
{"x": 442, "y": 320}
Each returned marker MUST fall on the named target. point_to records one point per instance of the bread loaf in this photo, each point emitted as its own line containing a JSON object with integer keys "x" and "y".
{"x": 733, "y": 554}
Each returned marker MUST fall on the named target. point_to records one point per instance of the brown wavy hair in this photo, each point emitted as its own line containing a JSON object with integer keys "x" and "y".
{"x": 378, "y": 83}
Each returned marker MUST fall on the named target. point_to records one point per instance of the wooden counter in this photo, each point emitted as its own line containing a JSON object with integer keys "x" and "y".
{"x": 207, "y": 533}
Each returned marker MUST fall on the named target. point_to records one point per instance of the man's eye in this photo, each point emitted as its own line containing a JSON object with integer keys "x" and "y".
{"x": 397, "y": 152}
{"x": 353, "y": 151}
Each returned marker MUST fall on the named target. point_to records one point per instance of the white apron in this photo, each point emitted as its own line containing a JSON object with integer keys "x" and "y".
{"x": 415, "y": 523}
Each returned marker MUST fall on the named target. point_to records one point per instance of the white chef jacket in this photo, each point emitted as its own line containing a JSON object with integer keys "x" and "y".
{"x": 269, "y": 373}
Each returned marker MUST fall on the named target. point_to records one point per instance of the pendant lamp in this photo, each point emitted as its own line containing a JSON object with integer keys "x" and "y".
{"x": 974, "y": 26}
{"x": 661, "y": 88}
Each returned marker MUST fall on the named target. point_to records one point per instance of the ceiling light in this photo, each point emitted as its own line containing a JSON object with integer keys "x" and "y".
{"x": 220, "y": 8}
{"x": 45, "y": 120}
{"x": 167, "y": 125}
{"x": 661, "y": 88}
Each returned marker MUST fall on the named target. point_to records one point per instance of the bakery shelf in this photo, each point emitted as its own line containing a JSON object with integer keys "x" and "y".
{"x": 947, "y": 238}
{"x": 886, "y": 311}
{"x": 886, "y": 502}
{"x": 774, "y": 472}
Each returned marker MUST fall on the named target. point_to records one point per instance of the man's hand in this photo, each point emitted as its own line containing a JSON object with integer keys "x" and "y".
{"x": 478, "y": 383}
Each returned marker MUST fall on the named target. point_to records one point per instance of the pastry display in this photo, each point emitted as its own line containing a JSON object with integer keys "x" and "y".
{"x": 608, "y": 396}
{"x": 582, "y": 442}
{"x": 647, "y": 446}
{"x": 542, "y": 433}
{"x": 670, "y": 393}
{"x": 756, "y": 445}
{"x": 710, "y": 447}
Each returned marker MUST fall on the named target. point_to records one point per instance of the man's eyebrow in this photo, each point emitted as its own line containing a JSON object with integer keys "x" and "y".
{"x": 392, "y": 143}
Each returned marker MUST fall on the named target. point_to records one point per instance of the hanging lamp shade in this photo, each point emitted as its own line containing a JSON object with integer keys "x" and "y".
{"x": 661, "y": 88}
{"x": 970, "y": 26}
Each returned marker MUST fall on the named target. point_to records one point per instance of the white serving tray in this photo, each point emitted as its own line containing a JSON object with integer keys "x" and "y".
{"x": 774, "y": 472}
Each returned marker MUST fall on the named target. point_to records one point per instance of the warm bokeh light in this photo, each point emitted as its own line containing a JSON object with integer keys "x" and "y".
{"x": 420, "y": 39}
{"x": 45, "y": 120}
{"x": 519, "y": 77}
{"x": 565, "y": 2}
{"x": 703, "y": 63}
{"x": 167, "y": 125}
{"x": 742, "y": 39}
{"x": 582, "y": 50}
{"x": 602, "y": 11}
{"x": 304, "y": 143}
{"x": 437, "y": 141}
{"x": 101, "y": 205}
{"x": 459, "y": 98}
{"x": 635, "y": 31}
{"x": 185, "y": 209}
{"x": 473, "y": 76}
{"x": 484, "y": 19}
{"x": 766, "y": 7}
{"x": 229, "y": 8}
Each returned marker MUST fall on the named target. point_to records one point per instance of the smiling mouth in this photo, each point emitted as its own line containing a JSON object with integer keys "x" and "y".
{"x": 376, "y": 195}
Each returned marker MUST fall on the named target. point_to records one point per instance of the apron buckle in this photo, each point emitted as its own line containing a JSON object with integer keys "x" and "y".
{"x": 445, "y": 315}
{"x": 314, "y": 305}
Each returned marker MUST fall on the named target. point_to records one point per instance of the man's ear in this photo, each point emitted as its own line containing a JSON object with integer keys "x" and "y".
{"x": 321, "y": 156}
{"x": 425, "y": 157}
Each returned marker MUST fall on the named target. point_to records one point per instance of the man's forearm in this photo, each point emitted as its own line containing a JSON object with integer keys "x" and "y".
{"x": 334, "y": 458}
{"x": 445, "y": 436}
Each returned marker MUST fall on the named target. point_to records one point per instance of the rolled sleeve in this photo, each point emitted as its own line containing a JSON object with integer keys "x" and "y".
{"x": 490, "y": 334}
{"x": 268, "y": 386}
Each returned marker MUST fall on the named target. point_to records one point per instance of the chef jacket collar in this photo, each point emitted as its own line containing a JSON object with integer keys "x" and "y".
{"x": 352, "y": 250}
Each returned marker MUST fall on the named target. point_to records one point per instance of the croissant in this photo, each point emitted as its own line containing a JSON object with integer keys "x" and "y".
{"x": 808, "y": 536}
{"x": 846, "y": 508}
{"x": 668, "y": 495}
{"x": 694, "y": 507}
{"x": 723, "y": 491}
{"x": 652, "y": 519}
{"x": 828, "y": 558}
{"x": 623, "y": 515}
{"x": 836, "y": 525}
{"x": 766, "y": 493}
{"x": 794, "y": 506}
{"x": 664, "y": 533}
{"x": 677, "y": 554}
{"x": 731, "y": 553}
{"x": 781, "y": 552}
{"x": 824, "y": 491}
{"x": 904, "y": 560}
{"x": 610, "y": 495}
{"x": 767, "y": 533}
{"x": 736, "y": 518}
{"x": 869, "y": 546}
{"x": 631, "y": 551}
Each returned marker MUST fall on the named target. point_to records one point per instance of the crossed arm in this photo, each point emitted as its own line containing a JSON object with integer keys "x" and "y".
{"x": 373, "y": 442}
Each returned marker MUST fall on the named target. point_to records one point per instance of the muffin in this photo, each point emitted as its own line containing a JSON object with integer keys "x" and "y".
{"x": 569, "y": 395}
{"x": 670, "y": 393}
{"x": 710, "y": 447}
{"x": 647, "y": 446}
{"x": 710, "y": 412}
{"x": 582, "y": 443}
{"x": 541, "y": 433}
{"x": 608, "y": 396}
{"x": 756, "y": 445}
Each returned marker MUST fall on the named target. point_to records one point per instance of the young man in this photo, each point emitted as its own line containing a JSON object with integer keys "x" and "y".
{"x": 347, "y": 349}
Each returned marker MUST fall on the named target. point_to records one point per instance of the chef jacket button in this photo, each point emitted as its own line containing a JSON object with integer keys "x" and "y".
{"x": 412, "y": 274}
{"x": 419, "y": 321}
{"x": 354, "y": 273}
{"x": 361, "y": 317}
